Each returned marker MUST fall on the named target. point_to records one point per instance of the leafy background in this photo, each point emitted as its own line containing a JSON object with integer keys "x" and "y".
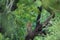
{"x": 27, "y": 11}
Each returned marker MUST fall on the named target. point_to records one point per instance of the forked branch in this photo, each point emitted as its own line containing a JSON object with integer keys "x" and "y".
{"x": 39, "y": 26}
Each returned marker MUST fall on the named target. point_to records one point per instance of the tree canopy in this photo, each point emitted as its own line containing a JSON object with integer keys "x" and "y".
{"x": 15, "y": 15}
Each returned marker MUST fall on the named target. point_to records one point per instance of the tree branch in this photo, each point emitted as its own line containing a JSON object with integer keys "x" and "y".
{"x": 39, "y": 26}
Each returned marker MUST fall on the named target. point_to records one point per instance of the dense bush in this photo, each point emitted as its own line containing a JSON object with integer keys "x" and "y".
{"x": 14, "y": 22}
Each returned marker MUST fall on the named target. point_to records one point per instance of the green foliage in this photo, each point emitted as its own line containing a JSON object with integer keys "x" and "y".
{"x": 54, "y": 30}
{"x": 53, "y": 4}
{"x": 2, "y": 5}
{"x": 14, "y": 22}
{"x": 1, "y": 36}
{"x": 25, "y": 12}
